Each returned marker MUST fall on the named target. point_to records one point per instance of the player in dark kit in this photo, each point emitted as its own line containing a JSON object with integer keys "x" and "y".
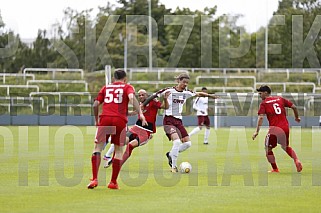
{"x": 274, "y": 108}
{"x": 139, "y": 135}
{"x": 112, "y": 122}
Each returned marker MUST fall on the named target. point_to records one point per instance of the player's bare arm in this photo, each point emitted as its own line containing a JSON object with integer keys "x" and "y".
{"x": 136, "y": 105}
{"x": 258, "y": 125}
{"x": 204, "y": 94}
{"x": 296, "y": 113}
{"x": 132, "y": 113}
{"x": 165, "y": 104}
{"x": 96, "y": 111}
{"x": 149, "y": 99}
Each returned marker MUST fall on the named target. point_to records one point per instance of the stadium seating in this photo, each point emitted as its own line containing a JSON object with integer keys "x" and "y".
{"x": 68, "y": 89}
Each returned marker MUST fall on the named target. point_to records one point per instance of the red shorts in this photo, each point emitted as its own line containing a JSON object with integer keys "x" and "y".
{"x": 277, "y": 135}
{"x": 111, "y": 126}
{"x": 203, "y": 120}
{"x": 141, "y": 133}
{"x": 174, "y": 125}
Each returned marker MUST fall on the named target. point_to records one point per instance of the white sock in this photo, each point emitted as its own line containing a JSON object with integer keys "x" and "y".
{"x": 207, "y": 134}
{"x": 174, "y": 152}
{"x": 109, "y": 153}
{"x": 185, "y": 146}
{"x": 194, "y": 131}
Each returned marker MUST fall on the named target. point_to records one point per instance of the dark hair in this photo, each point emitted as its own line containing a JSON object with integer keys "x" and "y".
{"x": 119, "y": 74}
{"x": 182, "y": 76}
{"x": 264, "y": 88}
{"x": 204, "y": 88}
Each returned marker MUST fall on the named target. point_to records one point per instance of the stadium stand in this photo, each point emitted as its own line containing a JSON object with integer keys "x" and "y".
{"x": 59, "y": 82}
{"x": 69, "y": 89}
{"x": 9, "y": 88}
{"x": 14, "y": 77}
{"x": 53, "y": 71}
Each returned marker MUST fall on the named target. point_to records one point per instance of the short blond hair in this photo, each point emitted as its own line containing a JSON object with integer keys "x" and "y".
{"x": 142, "y": 90}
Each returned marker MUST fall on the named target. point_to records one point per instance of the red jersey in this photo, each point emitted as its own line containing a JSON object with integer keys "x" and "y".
{"x": 274, "y": 109}
{"x": 150, "y": 113}
{"x": 115, "y": 99}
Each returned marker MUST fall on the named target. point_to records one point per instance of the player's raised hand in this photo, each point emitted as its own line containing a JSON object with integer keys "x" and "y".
{"x": 167, "y": 94}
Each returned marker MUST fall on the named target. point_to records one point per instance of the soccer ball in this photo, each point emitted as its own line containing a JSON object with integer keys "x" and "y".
{"x": 185, "y": 167}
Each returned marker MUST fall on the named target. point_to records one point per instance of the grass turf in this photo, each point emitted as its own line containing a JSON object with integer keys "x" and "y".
{"x": 47, "y": 169}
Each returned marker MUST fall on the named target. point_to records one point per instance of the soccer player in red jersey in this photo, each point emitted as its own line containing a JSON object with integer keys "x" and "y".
{"x": 112, "y": 122}
{"x": 139, "y": 135}
{"x": 274, "y": 109}
{"x": 173, "y": 124}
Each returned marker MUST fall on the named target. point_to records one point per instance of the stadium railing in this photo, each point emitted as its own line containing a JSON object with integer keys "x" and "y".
{"x": 5, "y": 75}
{"x": 226, "y": 89}
{"x": 53, "y": 71}
{"x": 69, "y": 106}
{"x": 57, "y": 82}
{"x": 288, "y": 72}
{"x": 224, "y": 71}
{"x": 14, "y": 101}
{"x": 159, "y": 71}
{"x": 61, "y": 94}
{"x": 156, "y": 83}
{"x": 8, "y": 87}
{"x": 285, "y": 84}
{"x": 253, "y": 78}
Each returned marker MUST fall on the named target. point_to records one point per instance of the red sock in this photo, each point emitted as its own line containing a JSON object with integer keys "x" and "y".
{"x": 270, "y": 157}
{"x": 291, "y": 153}
{"x": 95, "y": 163}
{"x": 127, "y": 153}
{"x": 116, "y": 169}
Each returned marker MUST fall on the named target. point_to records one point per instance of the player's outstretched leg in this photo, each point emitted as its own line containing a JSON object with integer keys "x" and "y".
{"x": 128, "y": 152}
{"x": 194, "y": 131}
{"x": 185, "y": 145}
{"x": 108, "y": 156}
{"x": 293, "y": 155}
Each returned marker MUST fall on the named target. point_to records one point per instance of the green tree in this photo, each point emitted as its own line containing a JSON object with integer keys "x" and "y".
{"x": 299, "y": 36}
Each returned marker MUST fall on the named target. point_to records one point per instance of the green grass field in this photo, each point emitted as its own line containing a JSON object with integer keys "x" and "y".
{"x": 46, "y": 169}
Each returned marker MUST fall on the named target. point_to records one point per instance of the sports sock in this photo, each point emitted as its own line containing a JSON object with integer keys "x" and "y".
{"x": 174, "y": 152}
{"x": 270, "y": 157}
{"x": 95, "y": 163}
{"x": 110, "y": 151}
{"x": 184, "y": 146}
{"x": 127, "y": 153}
{"x": 291, "y": 153}
{"x": 194, "y": 131}
{"x": 116, "y": 169}
{"x": 207, "y": 134}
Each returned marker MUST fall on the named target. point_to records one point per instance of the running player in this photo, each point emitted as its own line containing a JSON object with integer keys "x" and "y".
{"x": 112, "y": 122}
{"x": 274, "y": 109}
